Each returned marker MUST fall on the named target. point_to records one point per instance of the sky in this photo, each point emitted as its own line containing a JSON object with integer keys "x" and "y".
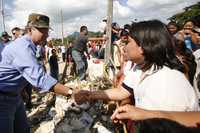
{"x": 88, "y": 12}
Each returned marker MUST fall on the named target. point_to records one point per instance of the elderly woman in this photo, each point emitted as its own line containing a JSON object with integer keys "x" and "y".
{"x": 157, "y": 80}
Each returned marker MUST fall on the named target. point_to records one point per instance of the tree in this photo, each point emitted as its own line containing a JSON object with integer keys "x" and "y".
{"x": 72, "y": 37}
{"x": 190, "y": 12}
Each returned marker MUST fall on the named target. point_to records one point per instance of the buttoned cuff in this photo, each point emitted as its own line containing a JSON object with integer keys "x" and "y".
{"x": 48, "y": 83}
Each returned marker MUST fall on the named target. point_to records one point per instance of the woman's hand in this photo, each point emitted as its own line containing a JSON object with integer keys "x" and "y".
{"x": 82, "y": 96}
{"x": 128, "y": 112}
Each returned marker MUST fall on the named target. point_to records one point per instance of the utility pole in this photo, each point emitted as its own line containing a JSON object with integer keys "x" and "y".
{"x": 2, "y": 13}
{"x": 108, "y": 31}
{"x": 62, "y": 27}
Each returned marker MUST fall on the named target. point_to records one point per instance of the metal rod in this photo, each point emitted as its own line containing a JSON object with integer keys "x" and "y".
{"x": 108, "y": 31}
{"x": 62, "y": 27}
{"x": 2, "y": 13}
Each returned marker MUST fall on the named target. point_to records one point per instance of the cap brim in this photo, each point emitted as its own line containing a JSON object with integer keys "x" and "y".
{"x": 43, "y": 27}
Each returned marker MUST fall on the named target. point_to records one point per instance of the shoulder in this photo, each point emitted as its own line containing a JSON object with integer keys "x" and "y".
{"x": 17, "y": 46}
{"x": 83, "y": 37}
{"x": 167, "y": 73}
{"x": 170, "y": 79}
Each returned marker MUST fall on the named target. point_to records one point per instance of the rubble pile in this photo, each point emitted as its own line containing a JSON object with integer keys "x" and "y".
{"x": 42, "y": 103}
{"x": 68, "y": 117}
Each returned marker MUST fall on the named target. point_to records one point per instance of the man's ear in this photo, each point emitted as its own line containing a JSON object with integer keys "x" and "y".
{"x": 29, "y": 30}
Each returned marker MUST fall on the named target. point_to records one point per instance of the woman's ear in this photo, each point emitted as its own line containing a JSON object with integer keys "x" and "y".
{"x": 141, "y": 50}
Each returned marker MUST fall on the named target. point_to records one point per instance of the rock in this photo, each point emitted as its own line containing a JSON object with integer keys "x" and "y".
{"x": 101, "y": 129}
{"x": 65, "y": 128}
{"x": 86, "y": 119}
{"x": 77, "y": 124}
{"x": 46, "y": 127}
{"x": 104, "y": 118}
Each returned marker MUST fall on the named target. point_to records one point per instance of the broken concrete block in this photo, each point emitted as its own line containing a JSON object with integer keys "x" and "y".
{"x": 46, "y": 127}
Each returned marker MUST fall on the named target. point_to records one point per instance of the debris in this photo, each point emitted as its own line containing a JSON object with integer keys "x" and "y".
{"x": 58, "y": 114}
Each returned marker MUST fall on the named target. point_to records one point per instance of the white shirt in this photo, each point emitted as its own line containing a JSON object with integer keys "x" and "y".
{"x": 48, "y": 52}
{"x": 165, "y": 89}
{"x": 63, "y": 50}
{"x": 132, "y": 75}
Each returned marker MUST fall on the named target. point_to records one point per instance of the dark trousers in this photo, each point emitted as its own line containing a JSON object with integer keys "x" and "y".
{"x": 63, "y": 57}
{"x": 12, "y": 115}
{"x": 81, "y": 64}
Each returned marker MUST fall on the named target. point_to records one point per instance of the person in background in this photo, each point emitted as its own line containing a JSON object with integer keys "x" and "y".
{"x": 188, "y": 35}
{"x": 150, "y": 48}
{"x": 173, "y": 28}
{"x": 63, "y": 51}
{"x": 53, "y": 62}
{"x": 5, "y": 38}
{"x": 17, "y": 32}
{"x": 19, "y": 66}
{"x": 78, "y": 50}
{"x": 4, "y": 41}
{"x": 186, "y": 58}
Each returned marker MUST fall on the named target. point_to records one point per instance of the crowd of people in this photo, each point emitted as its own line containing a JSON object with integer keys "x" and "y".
{"x": 157, "y": 71}
{"x": 155, "y": 67}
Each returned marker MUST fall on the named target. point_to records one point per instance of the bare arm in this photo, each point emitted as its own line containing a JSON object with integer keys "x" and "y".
{"x": 194, "y": 37}
{"x": 134, "y": 113}
{"x": 110, "y": 94}
{"x": 185, "y": 118}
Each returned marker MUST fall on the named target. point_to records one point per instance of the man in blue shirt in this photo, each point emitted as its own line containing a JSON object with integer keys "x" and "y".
{"x": 19, "y": 65}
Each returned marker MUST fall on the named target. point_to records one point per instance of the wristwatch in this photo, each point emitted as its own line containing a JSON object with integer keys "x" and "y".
{"x": 69, "y": 92}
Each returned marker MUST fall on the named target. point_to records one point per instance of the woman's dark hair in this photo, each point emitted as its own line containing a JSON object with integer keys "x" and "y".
{"x": 156, "y": 43}
{"x": 127, "y": 26}
{"x": 189, "y": 20}
{"x": 174, "y": 24}
{"x": 124, "y": 32}
{"x": 158, "y": 125}
{"x": 187, "y": 59}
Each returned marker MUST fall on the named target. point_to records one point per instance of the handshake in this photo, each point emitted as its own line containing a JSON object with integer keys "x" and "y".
{"x": 82, "y": 96}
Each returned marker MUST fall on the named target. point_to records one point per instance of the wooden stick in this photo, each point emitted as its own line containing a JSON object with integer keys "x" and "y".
{"x": 123, "y": 124}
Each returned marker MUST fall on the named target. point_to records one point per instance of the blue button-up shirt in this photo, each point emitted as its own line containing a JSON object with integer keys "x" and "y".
{"x": 1, "y": 49}
{"x": 19, "y": 66}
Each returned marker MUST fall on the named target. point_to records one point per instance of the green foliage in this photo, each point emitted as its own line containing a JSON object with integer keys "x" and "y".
{"x": 188, "y": 13}
{"x": 72, "y": 37}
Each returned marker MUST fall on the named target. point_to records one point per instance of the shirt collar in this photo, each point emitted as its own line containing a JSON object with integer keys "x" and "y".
{"x": 31, "y": 44}
{"x": 153, "y": 69}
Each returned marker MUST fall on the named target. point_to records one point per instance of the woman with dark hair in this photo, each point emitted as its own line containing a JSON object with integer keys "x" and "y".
{"x": 172, "y": 27}
{"x": 188, "y": 35}
{"x": 157, "y": 125}
{"x": 158, "y": 81}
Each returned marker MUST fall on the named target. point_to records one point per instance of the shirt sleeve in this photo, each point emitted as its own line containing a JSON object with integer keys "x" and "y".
{"x": 31, "y": 70}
